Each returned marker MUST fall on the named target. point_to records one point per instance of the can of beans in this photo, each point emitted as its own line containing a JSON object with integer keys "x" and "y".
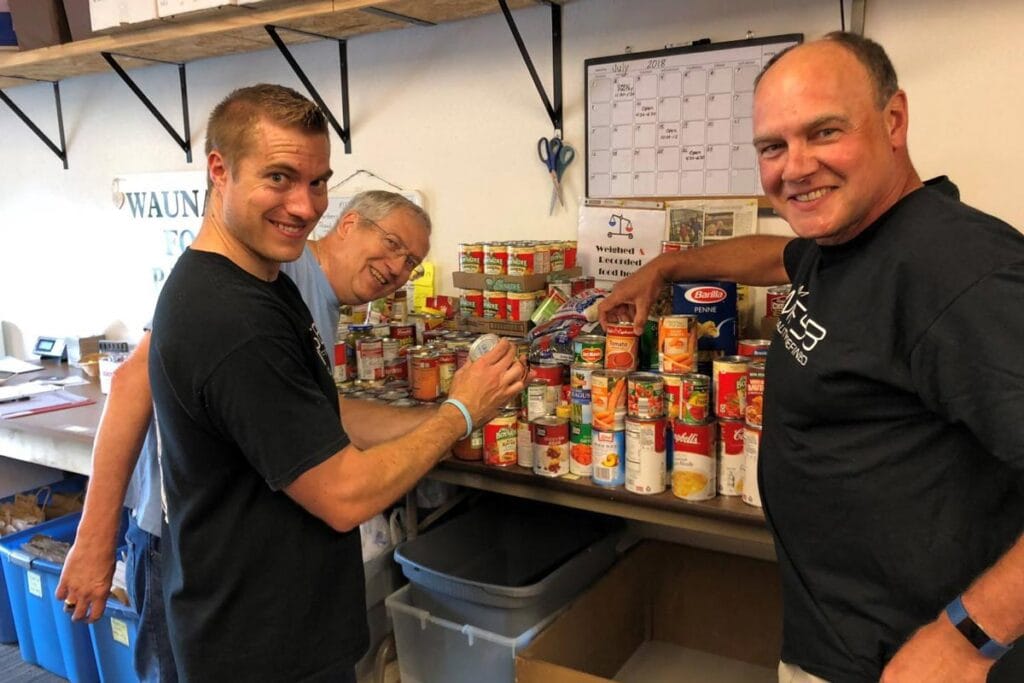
{"x": 520, "y": 305}
{"x": 608, "y": 399}
{"x": 588, "y": 349}
{"x": 645, "y": 455}
{"x": 471, "y": 257}
{"x": 693, "y": 461}
{"x": 495, "y": 258}
{"x": 580, "y": 449}
{"x": 754, "y": 409}
{"x": 524, "y": 443}
{"x": 425, "y": 379}
{"x": 729, "y": 381}
{"x": 751, "y": 450}
{"x": 495, "y": 304}
{"x": 501, "y": 440}
{"x": 550, "y": 446}
{"x": 608, "y": 455}
{"x": 695, "y": 398}
{"x": 730, "y": 457}
{"x": 677, "y": 343}
{"x": 521, "y": 259}
{"x": 753, "y": 348}
{"x": 621, "y": 347}
{"x": 645, "y": 395}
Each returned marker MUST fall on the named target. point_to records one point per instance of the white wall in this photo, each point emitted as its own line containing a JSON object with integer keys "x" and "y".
{"x": 450, "y": 110}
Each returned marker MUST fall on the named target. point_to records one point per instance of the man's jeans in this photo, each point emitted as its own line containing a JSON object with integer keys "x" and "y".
{"x": 154, "y": 662}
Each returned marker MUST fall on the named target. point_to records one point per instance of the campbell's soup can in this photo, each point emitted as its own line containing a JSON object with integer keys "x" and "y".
{"x": 520, "y": 305}
{"x": 425, "y": 375}
{"x": 369, "y": 358}
{"x": 621, "y": 347}
{"x": 645, "y": 395}
{"x": 753, "y": 348}
{"x": 495, "y": 305}
{"x": 677, "y": 343}
{"x": 775, "y": 299}
{"x": 695, "y": 392}
{"x": 405, "y": 333}
{"x": 608, "y": 455}
{"x": 501, "y": 440}
{"x": 521, "y": 259}
{"x": 754, "y": 409}
{"x": 495, "y": 258}
{"x": 694, "y": 471}
{"x": 729, "y": 386}
{"x": 645, "y": 455}
{"x": 751, "y": 451}
{"x": 471, "y": 257}
{"x": 550, "y": 446}
{"x": 471, "y": 303}
{"x": 588, "y": 349}
{"x": 608, "y": 399}
{"x": 731, "y": 460}
{"x": 524, "y": 443}
{"x": 395, "y": 370}
{"x": 580, "y": 449}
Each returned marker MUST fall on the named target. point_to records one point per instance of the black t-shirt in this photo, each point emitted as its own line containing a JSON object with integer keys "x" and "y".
{"x": 257, "y": 588}
{"x": 893, "y": 444}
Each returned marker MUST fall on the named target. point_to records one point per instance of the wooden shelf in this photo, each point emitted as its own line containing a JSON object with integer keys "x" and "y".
{"x": 231, "y": 30}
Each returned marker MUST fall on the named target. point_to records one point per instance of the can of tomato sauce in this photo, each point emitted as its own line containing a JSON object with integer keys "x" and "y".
{"x": 501, "y": 440}
{"x": 677, "y": 343}
{"x": 608, "y": 399}
{"x": 645, "y": 455}
{"x": 730, "y": 457}
{"x": 645, "y": 395}
{"x": 729, "y": 386}
{"x": 694, "y": 471}
{"x": 550, "y": 446}
{"x": 621, "y": 347}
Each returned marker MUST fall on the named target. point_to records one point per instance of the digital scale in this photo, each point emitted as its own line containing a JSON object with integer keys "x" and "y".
{"x": 51, "y": 348}
{"x": 71, "y": 349}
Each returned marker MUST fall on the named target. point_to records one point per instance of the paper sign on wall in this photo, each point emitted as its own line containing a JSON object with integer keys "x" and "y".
{"x": 617, "y": 238}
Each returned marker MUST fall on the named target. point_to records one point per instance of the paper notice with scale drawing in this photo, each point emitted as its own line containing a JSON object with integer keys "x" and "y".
{"x": 616, "y": 238}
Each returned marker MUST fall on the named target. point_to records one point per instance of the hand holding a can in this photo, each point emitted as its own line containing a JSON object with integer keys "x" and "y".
{"x": 631, "y": 299}
{"x": 486, "y": 383}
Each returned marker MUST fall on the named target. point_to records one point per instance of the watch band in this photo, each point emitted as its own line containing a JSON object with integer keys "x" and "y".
{"x": 975, "y": 635}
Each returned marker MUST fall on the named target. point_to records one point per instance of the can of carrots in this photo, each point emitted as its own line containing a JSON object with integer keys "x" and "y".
{"x": 608, "y": 399}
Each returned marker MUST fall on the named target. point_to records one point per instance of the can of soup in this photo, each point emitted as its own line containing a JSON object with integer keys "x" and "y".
{"x": 550, "y": 446}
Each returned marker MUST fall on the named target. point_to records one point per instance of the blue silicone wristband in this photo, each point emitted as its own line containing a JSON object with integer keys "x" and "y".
{"x": 961, "y": 619}
{"x": 465, "y": 413}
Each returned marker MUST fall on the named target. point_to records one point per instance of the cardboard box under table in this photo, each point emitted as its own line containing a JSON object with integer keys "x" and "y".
{"x": 666, "y": 613}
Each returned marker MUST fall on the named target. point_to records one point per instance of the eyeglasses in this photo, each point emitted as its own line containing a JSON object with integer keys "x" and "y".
{"x": 396, "y": 247}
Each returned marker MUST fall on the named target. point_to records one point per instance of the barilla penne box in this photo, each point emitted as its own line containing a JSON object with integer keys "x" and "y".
{"x": 715, "y": 306}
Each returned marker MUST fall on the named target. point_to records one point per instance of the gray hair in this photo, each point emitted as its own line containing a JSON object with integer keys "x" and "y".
{"x": 871, "y": 56}
{"x": 374, "y": 205}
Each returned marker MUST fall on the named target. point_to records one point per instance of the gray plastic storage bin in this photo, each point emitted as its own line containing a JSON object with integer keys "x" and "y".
{"x": 512, "y": 554}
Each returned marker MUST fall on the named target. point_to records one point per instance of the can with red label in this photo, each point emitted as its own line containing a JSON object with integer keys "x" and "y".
{"x": 608, "y": 399}
{"x": 621, "y": 347}
{"x": 696, "y": 398}
{"x": 751, "y": 451}
{"x": 580, "y": 284}
{"x": 405, "y": 333}
{"x": 425, "y": 377}
{"x": 524, "y": 443}
{"x": 520, "y": 305}
{"x": 369, "y": 358}
{"x": 729, "y": 386}
{"x": 673, "y": 394}
{"x": 550, "y": 446}
{"x": 645, "y": 455}
{"x": 495, "y": 305}
{"x": 570, "y": 255}
{"x": 730, "y": 457}
{"x": 341, "y": 369}
{"x": 694, "y": 471}
{"x": 753, "y": 348}
{"x": 501, "y": 440}
{"x": 471, "y": 303}
{"x": 588, "y": 349}
{"x": 495, "y": 258}
{"x": 396, "y": 370}
{"x": 608, "y": 455}
{"x": 645, "y": 395}
{"x": 667, "y": 246}
{"x": 471, "y": 257}
{"x": 552, "y": 373}
{"x": 557, "y": 256}
{"x": 677, "y": 343}
{"x": 775, "y": 299}
{"x": 580, "y": 449}
{"x": 521, "y": 259}
{"x": 754, "y": 409}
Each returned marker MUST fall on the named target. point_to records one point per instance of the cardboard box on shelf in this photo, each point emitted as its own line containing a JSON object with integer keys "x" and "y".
{"x": 39, "y": 23}
{"x": 508, "y": 328}
{"x": 511, "y": 283}
{"x": 710, "y": 612}
{"x": 79, "y": 23}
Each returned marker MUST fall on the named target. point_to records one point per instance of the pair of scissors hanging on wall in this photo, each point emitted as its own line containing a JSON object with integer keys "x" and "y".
{"x": 557, "y": 156}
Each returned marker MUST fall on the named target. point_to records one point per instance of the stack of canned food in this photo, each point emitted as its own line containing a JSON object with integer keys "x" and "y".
{"x": 537, "y": 306}
{"x": 517, "y": 258}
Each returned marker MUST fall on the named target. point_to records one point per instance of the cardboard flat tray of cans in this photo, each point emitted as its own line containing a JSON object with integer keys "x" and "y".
{"x": 511, "y": 283}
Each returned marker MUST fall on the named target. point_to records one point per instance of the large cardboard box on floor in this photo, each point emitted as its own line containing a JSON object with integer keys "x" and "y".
{"x": 666, "y": 612}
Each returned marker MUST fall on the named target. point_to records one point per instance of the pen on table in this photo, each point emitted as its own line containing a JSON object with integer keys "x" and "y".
{"x": 13, "y": 399}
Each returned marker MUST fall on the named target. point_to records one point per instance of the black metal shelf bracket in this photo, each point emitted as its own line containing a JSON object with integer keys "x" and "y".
{"x": 61, "y": 152}
{"x": 185, "y": 142}
{"x": 342, "y": 129}
{"x": 553, "y": 105}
